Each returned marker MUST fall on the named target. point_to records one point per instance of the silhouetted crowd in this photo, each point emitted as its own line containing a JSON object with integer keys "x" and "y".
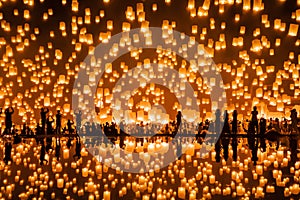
{"x": 45, "y": 132}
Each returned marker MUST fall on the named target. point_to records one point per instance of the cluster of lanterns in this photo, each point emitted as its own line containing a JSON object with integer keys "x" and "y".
{"x": 38, "y": 64}
{"x": 18, "y": 68}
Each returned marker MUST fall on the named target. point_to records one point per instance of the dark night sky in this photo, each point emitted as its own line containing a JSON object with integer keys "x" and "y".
{"x": 176, "y": 11}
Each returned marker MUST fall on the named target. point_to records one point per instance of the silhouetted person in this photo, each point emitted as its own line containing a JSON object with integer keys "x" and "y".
{"x": 49, "y": 122}
{"x": 262, "y": 126}
{"x": 78, "y": 120}
{"x": 277, "y": 125}
{"x": 7, "y": 152}
{"x": 69, "y": 125}
{"x": 29, "y": 131}
{"x": 8, "y": 118}
{"x": 24, "y": 129}
{"x": 178, "y": 119}
{"x": 234, "y": 122}
{"x": 254, "y": 119}
{"x": 77, "y": 149}
{"x": 200, "y": 131}
{"x": 285, "y": 125}
{"x": 294, "y": 119}
{"x": 57, "y": 149}
{"x": 107, "y": 129}
{"x": 218, "y": 122}
{"x": 58, "y": 122}
{"x": 122, "y": 128}
{"x": 270, "y": 124}
{"x": 88, "y": 128}
{"x": 38, "y": 129}
{"x": 44, "y": 112}
{"x": 43, "y": 154}
{"x": 234, "y": 148}
{"x": 94, "y": 129}
{"x": 251, "y": 129}
{"x": 64, "y": 130}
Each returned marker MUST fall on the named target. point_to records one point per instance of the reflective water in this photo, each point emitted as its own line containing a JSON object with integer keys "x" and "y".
{"x": 225, "y": 168}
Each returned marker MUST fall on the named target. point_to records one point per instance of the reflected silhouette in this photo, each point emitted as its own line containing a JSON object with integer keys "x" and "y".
{"x": 43, "y": 154}
{"x": 218, "y": 150}
{"x": 253, "y": 146}
{"x": 234, "y": 122}
{"x": 7, "y": 152}
{"x": 57, "y": 149}
{"x": 234, "y": 144}
{"x": 77, "y": 149}
{"x": 58, "y": 122}
{"x": 225, "y": 146}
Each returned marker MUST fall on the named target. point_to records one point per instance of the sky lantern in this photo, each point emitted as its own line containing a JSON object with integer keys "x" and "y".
{"x": 256, "y": 45}
{"x": 293, "y": 30}
{"x": 26, "y": 14}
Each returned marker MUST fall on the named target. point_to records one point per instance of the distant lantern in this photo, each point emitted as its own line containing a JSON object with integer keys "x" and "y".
{"x": 154, "y": 7}
{"x": 256, "y": 45}
{"x": 109, "y": 25}
{"x": 26, "y": 14}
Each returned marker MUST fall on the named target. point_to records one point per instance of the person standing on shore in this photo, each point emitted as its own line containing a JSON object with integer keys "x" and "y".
{"x": 178, "y": 119}
{"x": 254, "y": 120}
{"x": 8, "y": 118}
{"x": 294, "y": 119}
{"x": 44, "y": 112}
{"x": 58, "y": 122}
{"x": 234, "y": 122}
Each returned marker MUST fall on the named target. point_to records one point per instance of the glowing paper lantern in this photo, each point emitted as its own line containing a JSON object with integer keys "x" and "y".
{"x": 293, "y": 30}
{"x": 60, "y": 183}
